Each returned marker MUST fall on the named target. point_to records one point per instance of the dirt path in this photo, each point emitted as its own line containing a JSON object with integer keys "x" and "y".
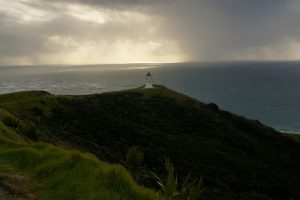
{"x": 14, "y": 187}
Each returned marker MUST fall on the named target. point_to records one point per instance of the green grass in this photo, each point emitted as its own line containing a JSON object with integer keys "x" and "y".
{"x": 238, "y": 158}
{"x": 294, "y": 136}
{"x": 57, "y": 173}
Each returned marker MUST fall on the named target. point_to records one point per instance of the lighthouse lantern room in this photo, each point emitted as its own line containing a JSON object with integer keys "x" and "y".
{"x": 149, "y": 82}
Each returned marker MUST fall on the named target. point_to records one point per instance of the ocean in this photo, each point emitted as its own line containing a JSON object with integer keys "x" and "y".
{"x": 266, "y": 91}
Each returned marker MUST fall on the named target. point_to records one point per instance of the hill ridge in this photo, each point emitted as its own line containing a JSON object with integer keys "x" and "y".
{"x": 237, "y": 157}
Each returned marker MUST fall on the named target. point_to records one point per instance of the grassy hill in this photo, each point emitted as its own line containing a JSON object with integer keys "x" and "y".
{"x": 57, "y": 173}
{"x": 237, "y": 157}
{"x": 295, "y": 136}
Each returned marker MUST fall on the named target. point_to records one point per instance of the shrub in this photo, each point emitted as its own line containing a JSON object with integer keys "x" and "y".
{"x": 30, "y": 131}
{"x": 134, "y": 162}
{"x": 168, "y": 187}
{"x": 189, "y": 190}
{"x": 227, "y": 115}
{"x": 214, "y": 107}
{"x": 11, "y": 122}
{"x": 37, "y": 111}
{"x": 192, "y": 190}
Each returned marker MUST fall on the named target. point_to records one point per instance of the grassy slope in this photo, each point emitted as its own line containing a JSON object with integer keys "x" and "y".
{"x": 238, "y": 158}
{"x": 295, "y": 136}
{"x": 56, "y": 173}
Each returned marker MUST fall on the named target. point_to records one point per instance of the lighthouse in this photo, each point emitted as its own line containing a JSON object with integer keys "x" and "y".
{"x": 149, "y": 82}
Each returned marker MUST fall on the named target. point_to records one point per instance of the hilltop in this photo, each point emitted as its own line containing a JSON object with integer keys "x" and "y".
{"x": 237, "y": 157}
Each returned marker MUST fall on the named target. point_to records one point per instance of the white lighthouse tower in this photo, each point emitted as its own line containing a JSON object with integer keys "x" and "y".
{"x": 149, "y": 82}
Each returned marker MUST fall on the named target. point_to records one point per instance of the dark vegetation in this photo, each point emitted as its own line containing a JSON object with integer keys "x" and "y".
{"x": 134, "y": 164}
{"x": 295, "y": 136}
{"x": 238, "y": 158}
{"x": 170, "y": 188}
{"x": 37, "y": 171}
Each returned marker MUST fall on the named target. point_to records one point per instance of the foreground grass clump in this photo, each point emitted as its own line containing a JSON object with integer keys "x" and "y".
{"x": 62, "y": 174}
{"x": 173, "y": 190}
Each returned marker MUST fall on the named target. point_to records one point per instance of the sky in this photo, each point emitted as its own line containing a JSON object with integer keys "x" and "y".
{"x": 141, "y": 31}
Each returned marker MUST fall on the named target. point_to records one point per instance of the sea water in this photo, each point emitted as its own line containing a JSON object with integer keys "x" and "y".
{"x": 267, "y": 91}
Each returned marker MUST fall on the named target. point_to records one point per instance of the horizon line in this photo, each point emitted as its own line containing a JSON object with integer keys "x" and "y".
{"x": 146, "y": 63}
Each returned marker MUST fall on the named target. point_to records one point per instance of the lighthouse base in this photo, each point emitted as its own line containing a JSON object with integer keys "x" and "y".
{"x": 149, "y": 85}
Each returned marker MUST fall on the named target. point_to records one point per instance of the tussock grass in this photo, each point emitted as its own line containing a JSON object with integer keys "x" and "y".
{"x": 63, "y": 174}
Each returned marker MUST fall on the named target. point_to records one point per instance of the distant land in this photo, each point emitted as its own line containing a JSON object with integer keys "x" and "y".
{"x": 43, "y": 137}
{"x": 267, "y": 91}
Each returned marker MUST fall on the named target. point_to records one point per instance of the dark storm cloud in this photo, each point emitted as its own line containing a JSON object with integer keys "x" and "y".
{"x": 231, "y": 28}
{"x": 202, "y": 29}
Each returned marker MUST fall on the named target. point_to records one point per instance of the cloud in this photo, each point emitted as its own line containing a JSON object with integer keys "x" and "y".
{"x": 79, "y": 33}
{"x": 107, "y": 31}
{"x": 230, "y": 29}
